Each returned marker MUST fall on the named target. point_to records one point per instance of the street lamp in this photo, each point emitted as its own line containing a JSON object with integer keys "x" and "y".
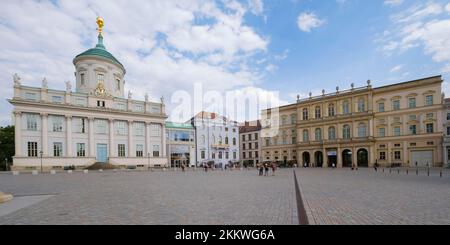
{"x": 41, "y": 154}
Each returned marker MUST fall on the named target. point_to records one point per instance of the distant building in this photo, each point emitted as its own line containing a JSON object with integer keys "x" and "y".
{"x": 95, "y": 123}
{"x": 250, "y": 142}
{"x": 394, "y": 125}
{"x": 217, "y": 139}
{"x": 181, "y": 144}
{"x": 447, "y": 132}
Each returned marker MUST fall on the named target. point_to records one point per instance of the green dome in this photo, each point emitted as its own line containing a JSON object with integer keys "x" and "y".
{"x": 100, "y": 51}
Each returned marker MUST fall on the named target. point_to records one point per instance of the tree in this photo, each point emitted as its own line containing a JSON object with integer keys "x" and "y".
{"x": 6, "y": 146}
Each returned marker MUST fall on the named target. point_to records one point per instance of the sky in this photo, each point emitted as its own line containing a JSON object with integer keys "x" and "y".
{"x": 276, "y": 49}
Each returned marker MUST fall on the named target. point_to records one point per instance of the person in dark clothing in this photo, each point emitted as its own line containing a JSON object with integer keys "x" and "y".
{"x": 261, "y": 170}
{"x": 266, "y": 169}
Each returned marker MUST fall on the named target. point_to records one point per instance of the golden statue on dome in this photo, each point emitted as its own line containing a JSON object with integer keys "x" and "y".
{"x": 100, "y": 24}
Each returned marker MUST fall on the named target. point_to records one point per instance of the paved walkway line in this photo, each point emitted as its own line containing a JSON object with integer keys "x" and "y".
{"x": 302, "y": 217}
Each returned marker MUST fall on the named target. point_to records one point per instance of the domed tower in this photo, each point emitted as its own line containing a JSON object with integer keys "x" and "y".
{"x": 98, "y": 72}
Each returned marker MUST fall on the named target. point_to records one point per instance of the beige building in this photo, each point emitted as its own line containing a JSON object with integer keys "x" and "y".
{"x": 250, "y": 142}
{"x": 395, "y": 125}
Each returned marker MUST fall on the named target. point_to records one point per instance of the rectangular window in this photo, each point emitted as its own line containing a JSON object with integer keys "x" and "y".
{"x": 382, "y": 155}
{"x": 121, "y": 106}
{"x": 234, "y": 155}
{"x": 57, "y": 99}
{"x": 32, "y": 122}
{"x": 429, "y": 100}
{"x": 381, "y": 107}
{"x": 256, "y": 134}
{"x": 80, "y": 102}
{"x": 202, "y": 154}
{"x": 101, "y": 126}
{"x": 256, "y": 145}
{"x": 156, "y": 110}
{"x": 57, "y": 123}
{"x": 243, "y": 146}
{"x": 397, "y": 155}
{"x": 139, "y": 108}
{"x": 243, "y": 138}
{"x": 412, "y": 117}
{"x": 32, "y": 149}
{"x": 30, "y": 96}
{"x": 397, "y": 131}
{"x": 117, "y": 84}
{"x": 430, "y": 115}
{"x": 448, "y": 132}
{"x": 100, "y": 78}
{"x": 80, "y": 125}
{"x": 381, "y": 132}
{"x": 139, "y": 128}
{"x": 155, "y": 150}
{"x": 250, "y": 155}
{"x": 81, "y": 150}
{"x": 100, "y": 103}
{"x": 121, "y": 128}
{"x": 121, "y": 150}
{"x": 83, "y": 79}
{"x": 57, "y": 149}
{"x": 413, "y": 129}
{"x": 256, "y": 154}
{"x": 346, "y": 108}
{"x": 412, "y": 103}
{"x": 139, "y": 150}
{"x": 249, "y": 146}
{"x": 448, "y": 116}
{"x": 396, "y": 105}
{"x": 155, "y": 130}
{"x": 430, "y": 128}
{"x": 227, "y": 155}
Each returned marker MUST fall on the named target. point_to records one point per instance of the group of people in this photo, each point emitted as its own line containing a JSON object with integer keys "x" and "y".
{"x": 264, "y": 169}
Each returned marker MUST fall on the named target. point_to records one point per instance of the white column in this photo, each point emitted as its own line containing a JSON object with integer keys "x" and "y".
{"x": 44, "y": 142}
{"x": 91, "y": 137}
{"x": 111, "y": 138}
{"x": 69, "y": 136}
{"x": 163, "y": 140}
{"x": 18, "y": 133}
{"x": 131, "y": 151}
{"x": 147, "y": 138}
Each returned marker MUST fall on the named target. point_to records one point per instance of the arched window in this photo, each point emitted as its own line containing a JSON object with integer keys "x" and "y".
{"x": 318, "y": 112}
{"x": 234, "y": 141}
{"x": 346, "y": 107}
{"x": 361, "y": 105}
{"x": 226, "y": 140}
{"x": 331, "y": 133}
{"x": 362, "y": 130}
{"x": 305, "y": 114}
{"x": 293, "y": 118}
{"x": 305, "y": 136}
{"x": 346, "y": 134}
{"x": 331, "y": 110}
{"x": 318, "y": 134}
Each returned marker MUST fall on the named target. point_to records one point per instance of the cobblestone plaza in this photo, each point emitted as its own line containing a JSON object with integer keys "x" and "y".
{"x": 227, "y": 197}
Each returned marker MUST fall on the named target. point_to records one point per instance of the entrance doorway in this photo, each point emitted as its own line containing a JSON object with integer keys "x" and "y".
{"x": 306, "y": 159}
{"x": 363, "y": 158}
{"x": 318, "y": 156}
{"x": 332, "y": 158}
{"x": 347, "y": 158}
{"x": 102, "y": 153}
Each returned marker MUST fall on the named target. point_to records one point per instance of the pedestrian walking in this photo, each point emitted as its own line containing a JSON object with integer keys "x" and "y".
{"x": 266, "y": 169}
{"x": 261, "y": 170}
{"x": 274, "y": 168}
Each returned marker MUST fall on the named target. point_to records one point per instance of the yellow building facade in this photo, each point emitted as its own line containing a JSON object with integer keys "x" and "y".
{"x": 395, "y": 125}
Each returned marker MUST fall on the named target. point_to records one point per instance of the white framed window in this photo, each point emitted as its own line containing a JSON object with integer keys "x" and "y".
{"x": 80, "y": 125}
{"x": 381, "y": 107}
{"x": 100, "y": 78}
{"x": 362, "y": 130}
{"x": 139, "y": 128}
{"x": 413, "y": 129}
{"x": 32, "y": 149}
{"x": 305, "y": 114}
{"x": 80, "y": 102}
{"x": 396, "y": 105}
{"x": 57, "y": 122}
{"x": 139, "y": 108}
{"x": 121, "y": 106}
{"x": 411, "y": 103}
{"x": 429, "y": 100}
{"x": 57, "y": 149}
{"x": 382, "y": 155}
{"x": 430, "y": 128}
{"x": 121, "y": 150}
{"x": 81, "y": 150}
{"x": 155, "y": 130}
{"x": 398, "y": 155}
{"x": 397, "y": 131}
{"x": 82, "y": 79}
{"x": 412, "y": 117}
{"x": 32, "y": 122}
{"x": 346, "y": 132}
{"x": 318, "y": 134}
{"x": 155, "y": 150}
{"x": 361, "y": 105}
{"x": 101, "y": 126}
{"x": 305, "y": 136}
{"x": 318, "y": 112}
{"x": 156, "y": 110}
{"x": 293, "y": 119}
{"x": 346, "y": 107}
{"x": 381, "y": 132}
{"x": 234, "y": 155}
{"x": 30, "y": 96}
{"x": 202, "y": 154}
{"x": 139, "y": 150}
{"x": 331, "y": 110}
{"x": 331, "y": 133}
{"x": 121, "y": 127}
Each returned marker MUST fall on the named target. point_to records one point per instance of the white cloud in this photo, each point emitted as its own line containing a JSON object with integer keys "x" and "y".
{"x": 256, "y": 6}
{"x": 164, "y": 45}
{"x": 447, "y": 7}
{"x": 393, "y": 3}
{"x": 396, "y": 68}
{"x": 308, "y": 21}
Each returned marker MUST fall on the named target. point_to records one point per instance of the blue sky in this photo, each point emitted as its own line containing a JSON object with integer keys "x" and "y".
{"x": 287, "y": 47}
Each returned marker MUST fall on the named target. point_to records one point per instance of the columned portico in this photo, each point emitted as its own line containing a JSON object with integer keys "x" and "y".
{"x": 44, "y": 119}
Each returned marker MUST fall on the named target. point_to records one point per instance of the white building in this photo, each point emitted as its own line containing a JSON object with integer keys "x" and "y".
{"x": 93, "y": 124}
{"x": 217, "y": 139}
{"x": 447, "y": 133}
